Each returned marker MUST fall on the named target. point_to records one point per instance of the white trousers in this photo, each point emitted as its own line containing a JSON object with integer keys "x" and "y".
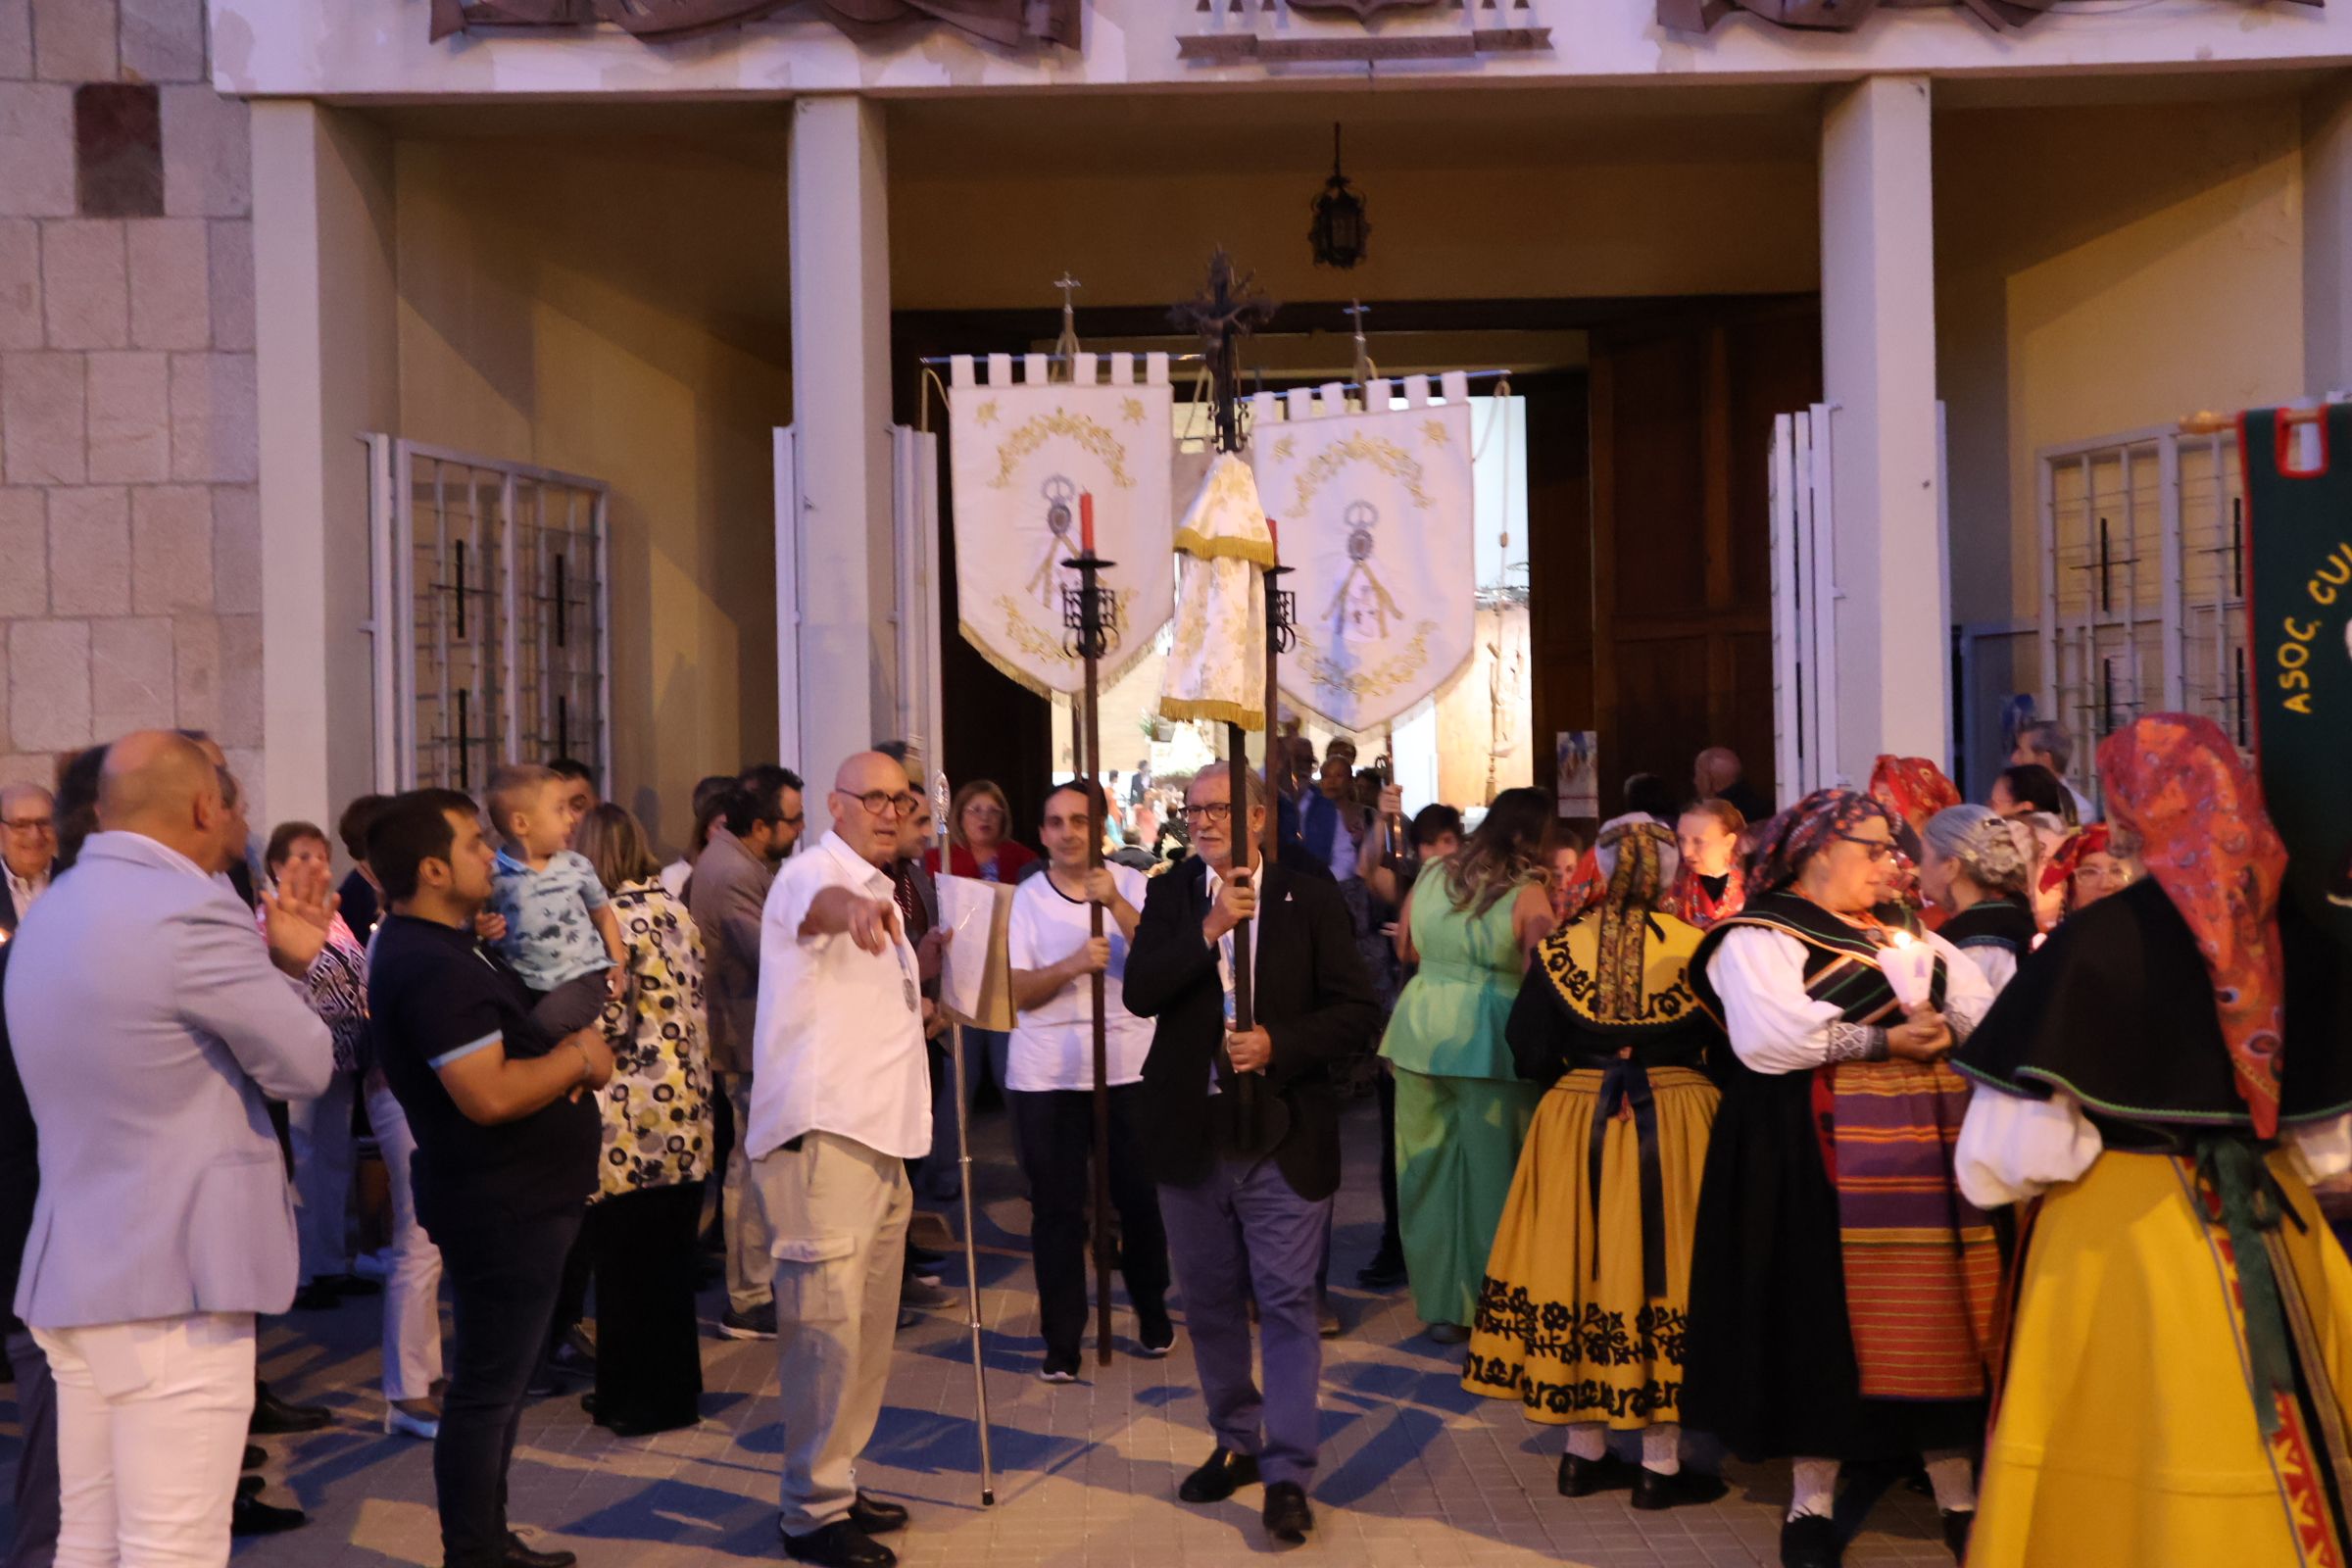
{"x": 749, "y": 1267}
{"x": 412, "y": 1281}
{"x": 321, "y": 1132}
{"x": 151, "y": 1425}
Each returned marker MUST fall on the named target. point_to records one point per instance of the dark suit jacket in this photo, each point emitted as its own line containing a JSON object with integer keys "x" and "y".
{"x": 19, "y": 1166}
{"x": 9, "y": 916}
{"x": 1308, "y": 990}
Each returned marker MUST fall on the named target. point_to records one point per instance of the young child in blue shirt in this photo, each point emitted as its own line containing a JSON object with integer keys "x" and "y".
{"x": 561, "y": 935}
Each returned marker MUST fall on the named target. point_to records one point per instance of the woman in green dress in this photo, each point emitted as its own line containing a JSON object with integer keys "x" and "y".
{"x": 1462, "y": 1109}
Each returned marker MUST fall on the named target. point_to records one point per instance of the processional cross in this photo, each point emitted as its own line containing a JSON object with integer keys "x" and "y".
{"x": 1228, "y": 309}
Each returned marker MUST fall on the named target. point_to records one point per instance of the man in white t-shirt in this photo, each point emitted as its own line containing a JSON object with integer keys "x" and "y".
{"x": 1050, "y": 1080}
{"x": 841, "y": 1098}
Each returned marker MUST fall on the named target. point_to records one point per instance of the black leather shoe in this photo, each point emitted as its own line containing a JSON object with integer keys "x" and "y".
{"x": 1385, "y": 1272}
{"x": 520, "y": 1555}
{"x": 1286, "y": 1514}
{"x": 841, "y": 1544}
{"x": 1581, "y": 1478}
{"x": 274, "y": 1417}
{"x": 1955, "y": 1530}
{"x": 1224, "y": 1474}
{"x": 254, "y": 1457}
{"x": 1810, "y": 1541}
{"x": 251, "y": 1516}
{"x": 1652, "y": 1491}
{"x": 876, "y": 1517}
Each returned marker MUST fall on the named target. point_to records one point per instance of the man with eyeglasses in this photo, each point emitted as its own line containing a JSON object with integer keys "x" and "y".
{"x": 27, "y": 851}
{"x": 1247, "y": 1209}
{"x": 759, "y": 823}
{"x": 841, "y": 1098}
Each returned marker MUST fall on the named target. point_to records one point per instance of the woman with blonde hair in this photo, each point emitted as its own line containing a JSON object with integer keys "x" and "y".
{"x": 978, "y": 820}
{"x": 656, "y": 1152}
{"x": 1462, "y": 1110}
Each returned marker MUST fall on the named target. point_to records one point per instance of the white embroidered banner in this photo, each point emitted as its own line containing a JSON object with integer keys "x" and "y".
{"x": 1374, "y": 515}
{"x": 1022, "y": 453}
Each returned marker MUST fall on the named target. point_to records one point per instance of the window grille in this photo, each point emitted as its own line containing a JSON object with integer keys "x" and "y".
{"x": 490, "y": 581}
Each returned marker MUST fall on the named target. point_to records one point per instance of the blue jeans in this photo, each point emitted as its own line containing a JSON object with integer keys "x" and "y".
{"x": 1242, "y": 1232}
{"x": 984, "y": 1054}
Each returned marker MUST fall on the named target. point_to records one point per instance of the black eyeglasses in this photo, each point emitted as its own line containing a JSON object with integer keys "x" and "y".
{"x": 876, "y": 802}
{"x": 1879, "y": 849}
{"x": 1214, "y": 811}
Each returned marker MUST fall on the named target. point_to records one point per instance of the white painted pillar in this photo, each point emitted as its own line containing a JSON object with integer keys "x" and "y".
{"x": 326, "y": 347}
{"x": 2328, "y": 240}
{"x": 841, "y": 415}
{"x": 1878, "y": 343}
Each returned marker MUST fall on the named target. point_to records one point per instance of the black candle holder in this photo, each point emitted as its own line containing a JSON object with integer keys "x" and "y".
{"x": 1090, "y": 613}
{"x": 1281, "y": 612}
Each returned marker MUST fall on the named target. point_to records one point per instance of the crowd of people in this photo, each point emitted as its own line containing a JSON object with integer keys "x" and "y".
{"x": 1831, "y": 1133}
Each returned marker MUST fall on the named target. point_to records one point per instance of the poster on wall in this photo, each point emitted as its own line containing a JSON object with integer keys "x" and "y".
{"x": 1578, "y": 772}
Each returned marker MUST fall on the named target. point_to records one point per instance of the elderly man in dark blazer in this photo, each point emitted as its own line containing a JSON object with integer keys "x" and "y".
{"x": 1244, "y": 1131}
{"x": 163, "y": 1221}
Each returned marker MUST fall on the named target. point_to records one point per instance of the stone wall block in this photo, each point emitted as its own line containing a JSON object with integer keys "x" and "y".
{"x": 24, "y": 552}
{"x": 170, "y": 549}
{"x": 237, "y": 550}
{"x": 231, "y": 253}
{"x": 20, "y": 282}
{"x": 215, "y": 413}
{"x": 49, "y": 685}
{"x": 196, "y": 672}
{"x": 74, "y": 40}
{"x": 86, "y": 284}
{"x": 130, "y": 419}
{"x": 240, "y": 682}
{"x": 89, "y": 551}
{"x": 208, "y": 168}
{"x": 15, "y": 46}
{"x": 36, "y": 150}
{"x": 163, "y": 40}
{"x": 41, "y": 418}
{"x": 170, "y": 285}
{"x": 130, "y": 675}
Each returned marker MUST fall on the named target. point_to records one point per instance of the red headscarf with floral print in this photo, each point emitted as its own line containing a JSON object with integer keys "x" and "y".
{"x": 1913, "y": 788}
{"x": 2176, "y": 783}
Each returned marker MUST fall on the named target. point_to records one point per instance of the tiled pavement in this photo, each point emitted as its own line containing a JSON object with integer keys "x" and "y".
{"x": 1415, "y": 1471}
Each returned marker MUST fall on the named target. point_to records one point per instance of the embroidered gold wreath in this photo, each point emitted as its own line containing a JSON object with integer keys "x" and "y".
{"x": 1378, "y": 680}
{"x": 1385, "y": 455}
{"x": 1076, "y": 427}
{"x": 1023, "y": 634}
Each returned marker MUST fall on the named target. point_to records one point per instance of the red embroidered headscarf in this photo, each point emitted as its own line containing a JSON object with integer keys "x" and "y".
{"x": 1913, "y": 788}
{"x": 2176, "y": 783}
{"x": 2078, "y": 847}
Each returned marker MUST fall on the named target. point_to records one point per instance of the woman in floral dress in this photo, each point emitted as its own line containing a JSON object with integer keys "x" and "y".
{"x": 657, "y": 1154}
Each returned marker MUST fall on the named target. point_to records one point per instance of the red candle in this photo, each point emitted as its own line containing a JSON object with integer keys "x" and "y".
{"x": 1086, "y": 522}
{"x": 1274, "y": 538}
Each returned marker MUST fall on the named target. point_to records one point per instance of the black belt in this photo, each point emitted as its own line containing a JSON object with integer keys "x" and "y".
{"x": 1624, "y": 1081}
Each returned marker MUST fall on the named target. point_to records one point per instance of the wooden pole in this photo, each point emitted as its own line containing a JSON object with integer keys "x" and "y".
{"x": 1092, "y": 641}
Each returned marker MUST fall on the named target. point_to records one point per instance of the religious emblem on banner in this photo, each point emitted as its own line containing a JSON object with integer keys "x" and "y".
{"x": 1376, "y": 519}
{"x": 1022, "y": 453}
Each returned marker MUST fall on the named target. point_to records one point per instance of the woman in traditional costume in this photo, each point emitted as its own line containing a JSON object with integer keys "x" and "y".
{"x": 1461, "y": 1110}
{"x": 1976, "y": 867}
{"x": 1841, "y": 1292}
{"x": 1914, "y": 789}
{"x": 2182, "y": 1340}
{"x": 1709, "y": 886}
{"x": 2092, "y": 864}
{"x": 1582, "y": 1314}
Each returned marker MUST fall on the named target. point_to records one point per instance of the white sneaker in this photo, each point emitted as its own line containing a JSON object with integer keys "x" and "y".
{"x": 401, "y": 1423}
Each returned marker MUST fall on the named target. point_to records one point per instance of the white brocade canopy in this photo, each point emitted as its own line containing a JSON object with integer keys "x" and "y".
{"x": 1217, "y": 662}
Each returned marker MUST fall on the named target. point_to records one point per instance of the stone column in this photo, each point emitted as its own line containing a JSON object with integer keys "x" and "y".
{"x": 1877, "y": 342}
{"x": 2328, "y": 239}
{"x": 327, "y": 338}
{"x": 841, "y": 541}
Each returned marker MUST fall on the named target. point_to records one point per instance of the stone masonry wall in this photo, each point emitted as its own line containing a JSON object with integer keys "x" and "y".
{"x": 129, "y": 524}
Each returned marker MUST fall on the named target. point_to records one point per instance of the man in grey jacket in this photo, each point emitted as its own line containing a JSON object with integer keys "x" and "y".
{"x": 757, "y": 826}
{"x": 148, "y": 1024}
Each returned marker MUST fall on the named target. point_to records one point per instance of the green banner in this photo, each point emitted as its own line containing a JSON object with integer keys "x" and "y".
{"x": 2299, "y": 654}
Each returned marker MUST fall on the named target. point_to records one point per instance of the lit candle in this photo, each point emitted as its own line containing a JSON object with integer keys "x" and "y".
{"x": 1274, "y": 538}
{"x": 1909, "y": 965}
{"x": 1086, "y": 523}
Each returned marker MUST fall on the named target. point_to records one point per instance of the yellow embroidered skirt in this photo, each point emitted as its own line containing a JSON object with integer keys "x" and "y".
{"x": 1564, "y": 1322}
{"x": 2127, "y": 1431}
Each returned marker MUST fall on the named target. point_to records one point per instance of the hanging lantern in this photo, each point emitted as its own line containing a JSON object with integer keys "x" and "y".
{"x": 1340, "y": 230}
